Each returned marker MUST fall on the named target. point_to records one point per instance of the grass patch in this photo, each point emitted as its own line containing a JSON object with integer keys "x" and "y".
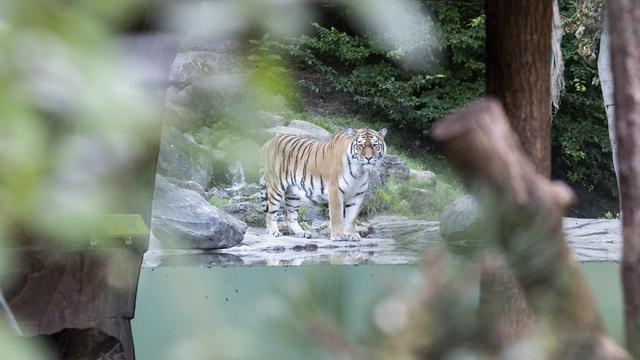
{"x": 219, "y": 203}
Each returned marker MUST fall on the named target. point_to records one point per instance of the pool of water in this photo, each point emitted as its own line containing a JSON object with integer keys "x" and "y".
{"x": 242, "y": 313}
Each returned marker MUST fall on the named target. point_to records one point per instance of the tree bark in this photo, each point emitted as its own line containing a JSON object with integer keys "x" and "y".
{"x": 606, "y": 84}
{"x": 526, "y": 223}
{"x": 519, "y": 70}
{"x": 519, "y": 50}
{"x": 624, "y": 16}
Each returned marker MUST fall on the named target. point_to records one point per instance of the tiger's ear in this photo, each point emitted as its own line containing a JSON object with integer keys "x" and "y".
{"x": 382, "y": 132}
{"x": 350, "y": 132}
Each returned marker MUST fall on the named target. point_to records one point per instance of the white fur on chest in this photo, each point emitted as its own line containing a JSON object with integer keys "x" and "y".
{"x": 354, "y": 179}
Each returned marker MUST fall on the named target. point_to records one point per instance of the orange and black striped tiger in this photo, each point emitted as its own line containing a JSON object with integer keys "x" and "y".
{"x": 335, "y": 171}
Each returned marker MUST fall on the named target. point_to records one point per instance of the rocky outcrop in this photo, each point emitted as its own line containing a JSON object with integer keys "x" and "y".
{"x": 404, "y": 230}
{"x": 181, "y": 218}
{"x": 423, "y": 178}
{"x": 301, "y": 128}
{"x": 459, "y": 220}
{"x": 203, "y": 76}
{"x": 393, "y": 166}
{"x": 182, "y": 158}
{"x": 594, "y": 239}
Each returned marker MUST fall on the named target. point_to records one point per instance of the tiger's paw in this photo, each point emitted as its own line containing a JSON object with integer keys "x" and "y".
{"x": 346, "y": 237}
{"x": 339, "y": 237}
{"x": 303, "y": 235}
{"x": 353, "y": 237}
{"x": 275, "y": 233}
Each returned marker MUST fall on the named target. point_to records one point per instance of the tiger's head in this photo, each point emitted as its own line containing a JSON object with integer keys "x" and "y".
{"x": 367, "y": 146}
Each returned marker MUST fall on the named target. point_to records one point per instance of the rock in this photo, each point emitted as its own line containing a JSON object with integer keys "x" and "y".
{"x": 217, "y": 193}
{"x": 301, "y": 128}
{"x": 423, "y": 178}
{"x": 268, "y": 119}
{"x": 393, "y": 166}
{"x": 183, "y": 159}
{"x": 404, "y": 230}
{"x": 459, "y": 220}
{"x": 249, "y": 212}
{"x": 181, "y": 218}
{"x": 251, "y": 189}
{"x": 314, "y": 130}
{"x": 189, "y": 185}
{"x": 594, "y": 239}
{"x": 192, "y": 66}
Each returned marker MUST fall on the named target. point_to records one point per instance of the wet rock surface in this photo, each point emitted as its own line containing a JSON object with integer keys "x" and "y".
{"x": 594, "y": 239}
{"x": 183, "y": 159}
{"x": 391, "y": 240}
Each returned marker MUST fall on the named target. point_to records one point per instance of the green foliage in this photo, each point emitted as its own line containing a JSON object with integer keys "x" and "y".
{"x": 219, "y": 203}
{"x": 372, "y": 76}
{"x": 584, "y": 20}
{"x": 388, "y": 199}
{"x": 409, "y": 198}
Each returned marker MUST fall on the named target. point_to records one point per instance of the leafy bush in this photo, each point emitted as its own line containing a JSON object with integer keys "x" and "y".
{"x": 376, "y": 81}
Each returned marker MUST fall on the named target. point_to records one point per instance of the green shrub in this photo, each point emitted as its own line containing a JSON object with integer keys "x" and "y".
{"x": 357, "y": 65}
{"x": 219, "y": 203}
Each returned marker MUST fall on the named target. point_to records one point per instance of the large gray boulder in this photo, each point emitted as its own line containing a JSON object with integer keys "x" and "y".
{"x": 423, "y": 178}
{"x": 183, "y": 159}
{"x": 301, "y": 128}
{"x": 393, "y": 166}
{"x": 460, "y": 219}
{"x": 182, "y": 218}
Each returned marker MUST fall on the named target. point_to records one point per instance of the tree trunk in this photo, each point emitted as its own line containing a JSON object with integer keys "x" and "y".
{"x": 557, "y": 62}
{"x": 606, "y": 84}
{"x": 624, "y": 18}
{"x": 518, "y": 43}
{"x": 518, "y": 71}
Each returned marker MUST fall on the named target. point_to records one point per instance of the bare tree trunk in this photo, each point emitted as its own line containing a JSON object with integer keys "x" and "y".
{"x": 518, "y": 71}
{"x": 557, "y": 62}
{"x": 606, "y": 84}
{"x": 519, "y": 35}
{"x": 624, "y": 27}
{"x": 526, "y": 221}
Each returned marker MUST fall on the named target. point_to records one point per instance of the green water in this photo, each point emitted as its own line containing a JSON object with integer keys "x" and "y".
{"x": 240, "y": 312}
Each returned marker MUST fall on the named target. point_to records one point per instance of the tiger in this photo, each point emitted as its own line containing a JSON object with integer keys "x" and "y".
{"x": 336, "y": 171}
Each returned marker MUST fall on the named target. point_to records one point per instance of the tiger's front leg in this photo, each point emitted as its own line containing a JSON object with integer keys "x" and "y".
{"x": 351, "y": 210}
{"x": 336, "y": 213}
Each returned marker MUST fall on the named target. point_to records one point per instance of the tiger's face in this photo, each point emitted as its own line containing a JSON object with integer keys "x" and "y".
{"x": 367, "y": 146}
